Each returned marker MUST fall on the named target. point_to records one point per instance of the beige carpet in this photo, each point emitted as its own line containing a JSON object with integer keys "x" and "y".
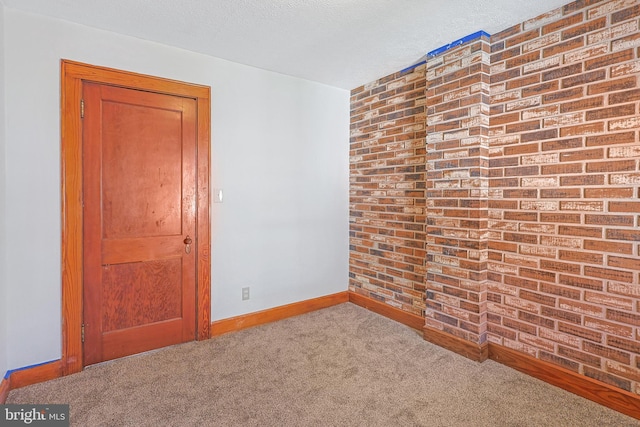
{"x": 341, "y": 366}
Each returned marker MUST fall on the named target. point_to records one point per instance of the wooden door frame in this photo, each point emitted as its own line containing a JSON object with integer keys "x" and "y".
{"x": 73, "y": 74}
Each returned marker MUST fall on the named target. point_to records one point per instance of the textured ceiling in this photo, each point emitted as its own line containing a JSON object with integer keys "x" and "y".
{"x": 342, "y": 43}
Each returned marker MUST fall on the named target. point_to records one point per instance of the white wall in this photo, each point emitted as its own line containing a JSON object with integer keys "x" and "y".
{"x": 4, "y": 365}
{"x": 279, "y": 151}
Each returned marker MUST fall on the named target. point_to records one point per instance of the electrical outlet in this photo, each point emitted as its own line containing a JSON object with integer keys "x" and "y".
{"x": 245, "y": 293}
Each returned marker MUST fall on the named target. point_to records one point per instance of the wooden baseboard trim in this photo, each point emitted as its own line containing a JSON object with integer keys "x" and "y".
{"x": 234, "y": 324}
{"x": 473, "y": 351}
{"x": 412, "y": 320}
{"x": 604, "y": 394}
{"x": 599, "y": 392}
{"x": 5, "y": 387}
{"x": 28, "y": 375}
{"x": 35, "y": 374}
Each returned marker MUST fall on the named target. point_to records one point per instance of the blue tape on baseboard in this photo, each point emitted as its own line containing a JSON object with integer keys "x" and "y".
{"x": 11, "y": 371}
{"x": 458, "y": 42}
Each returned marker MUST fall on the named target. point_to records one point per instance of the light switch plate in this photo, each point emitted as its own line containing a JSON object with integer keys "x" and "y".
{"x": 218, "y": 195}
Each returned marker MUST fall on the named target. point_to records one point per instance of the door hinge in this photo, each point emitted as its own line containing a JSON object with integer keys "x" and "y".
{"x": 82, "y": 332}
{"x": 82, "y": 108}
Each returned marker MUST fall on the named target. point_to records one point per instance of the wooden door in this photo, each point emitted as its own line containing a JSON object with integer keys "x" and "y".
{"x": 139, "y": 207}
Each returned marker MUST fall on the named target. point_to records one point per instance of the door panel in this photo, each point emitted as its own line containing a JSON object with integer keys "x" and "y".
{"x": 138, "y": 293}
{"x": 141, "y": 175}
{"x": 139, "y": 181}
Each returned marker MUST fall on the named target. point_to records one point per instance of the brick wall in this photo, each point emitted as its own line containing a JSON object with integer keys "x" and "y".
{"x": 457, "y": 181}
{"x": 387, "y": 202}
{"x": 531, "y": 235}
{"x": 564, "y": 189}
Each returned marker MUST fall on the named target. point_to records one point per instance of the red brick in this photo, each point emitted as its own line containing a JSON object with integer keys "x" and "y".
{"x": 539, "y": 135}
{"x": 559, "y": 266}
{"x": 580, "y": 356}
{"x": 584, "y": 257}
{"x": 582, "y": 104}
{"x": 521, "y": 149}
{"x": 608, "y": 246}
{"x": 562, "y": 168}
{"x": 568, "y": 45}
{"x": 560, "y": 314}
{"x": 385, "y": 160}
{"x": 623, "y": 317}
{"x": 522, "y": 126}
{"x": 612, "y": 85}
{"x": 500, "y": 331}
{"x": 586, "y": 333}
{"x": 625, "y": 96}
{"x": 520, "y": 282}
{"x": 632, "y": 235}
{"x": 584, "y": 129}
{"x": 609, "y": 300}
{"x": 608, "y": 273}
{"x": 607, "y": 353}
{"x": 522, "y": 37}
{"x": 564, "y": 95}
{"x": 607, "y": 378}
{"x": 557, "y": 360}
{"x": 535, "y": 341}
{"x": 610, "y": 139}
{"x": 580, "y": 307}
{"x": 562, "y": 23}
{"x": 611, "y": 193}
{"x": 631, "y": 290}
{"x": 562, "y": 291}
{"x": 509, "y": 32}
{"x": 522, "y": 82}
{"x": 560, "y": 193}
{"x": 519, "y": 326}
{"x": 627, "y": 263}
{"x": 526, "y": 193}
{"x": 562, "y": 72}
{"x": 611, "y": 328}
{"x": 610, "y": 59}
{"x": 521, "y": 60}
{"x": 559, "y": 218}
{"x": 538, "y": 298}
{"x": 619, "y": 369}
{"x": 576, "y": 5}
{"x": 581, "y": 282}
{"x": 587, "y": 27}
{"x": 606, "y": 113}
{"x": 584, "y": 78}
{"x": 623, "y": 15}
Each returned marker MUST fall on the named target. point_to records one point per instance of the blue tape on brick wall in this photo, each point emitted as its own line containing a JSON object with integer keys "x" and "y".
{"x": 458, "y": 42}
{"x": 445, "y": 48}
{"x": 411, "y": 67}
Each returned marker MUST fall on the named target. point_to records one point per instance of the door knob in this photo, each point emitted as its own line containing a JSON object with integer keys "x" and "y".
{"x": 187, "y": 244}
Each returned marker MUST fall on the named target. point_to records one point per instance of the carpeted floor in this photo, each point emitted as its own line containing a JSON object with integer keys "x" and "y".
{"x": 341, "y": 366}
